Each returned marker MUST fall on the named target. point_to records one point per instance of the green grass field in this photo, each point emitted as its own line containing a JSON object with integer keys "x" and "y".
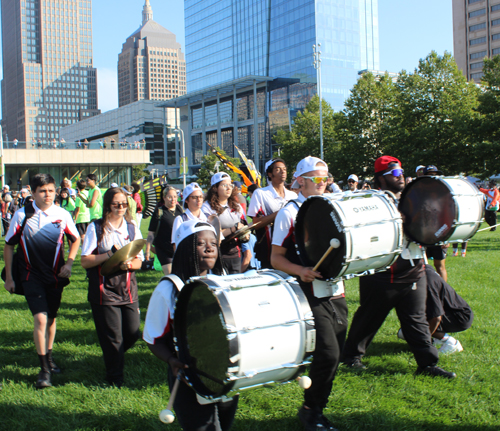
{"x": 386, "y": 396}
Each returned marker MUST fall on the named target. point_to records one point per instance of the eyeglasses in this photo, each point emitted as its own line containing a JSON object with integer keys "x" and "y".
{"x": 395, "y": 172}
{"x": 351, "y": 181}
{"x": 197, "y": 198}
{"x": 119, "y": 205}
{"x": 317, "y": 180}
{"x": 227, "y": 186}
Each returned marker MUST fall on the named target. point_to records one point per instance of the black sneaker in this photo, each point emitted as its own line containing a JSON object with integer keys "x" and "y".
{"x": 43, "y": 380}
{"x": 355, "y": 363}
{"x": 434, "y": 371}
{"x": 314, "y": 420}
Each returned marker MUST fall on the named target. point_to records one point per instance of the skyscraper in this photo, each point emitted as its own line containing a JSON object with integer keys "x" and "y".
{"x": 48, "y": 78}
{"x": 231, "y": 39}
{"x": 250, "y": 67}
{"x": 151, "y": 64}
{"x": 476, "y": 34}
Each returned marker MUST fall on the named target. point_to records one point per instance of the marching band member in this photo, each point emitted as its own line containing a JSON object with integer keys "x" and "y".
{"x": 221, "y": 201}
{"x": 329, "y": 308}
{"x": 402, "y": 287}
{"x": 197, "y": 254}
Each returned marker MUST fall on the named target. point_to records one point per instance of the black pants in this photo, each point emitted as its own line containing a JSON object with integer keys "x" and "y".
{"x": 457, "y": 321}
{"x": 193, "y": 416}
{"x": 377, "y": 300}
{"x": 330, "y": 321}
{"x": 232, "y": 263}
{"x": 491, "y": 218}
{"x": 117, "y": 328}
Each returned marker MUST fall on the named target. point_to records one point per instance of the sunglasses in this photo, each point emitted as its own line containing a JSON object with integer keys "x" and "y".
{"x": 227, "y": 186}
{"x": 119, "y": 205}
{"x": 395, "y": 172}
{"x": 351, "y": 181}
{"x": 317, "y": 180}
{"x": 196, "y": 198}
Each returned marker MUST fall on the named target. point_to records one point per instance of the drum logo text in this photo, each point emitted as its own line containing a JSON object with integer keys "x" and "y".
{"x": 441, "y": 230}
{"x": 365, "y": 208}
{"x": 334, "y": 218}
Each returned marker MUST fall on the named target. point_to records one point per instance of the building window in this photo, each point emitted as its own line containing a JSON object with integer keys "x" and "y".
{"x": 496, "y": 7}
{"x": 478, "y": 26}
{"x": 479, "y": 12}
{"x": 495, "y": 51}
{"x": 474, "y": 1}
{"x": 476, "y": 76}
{"x": 495, "y": 36}
{"x": 495, "y": 22}
{"x": 477, "y": 41}
{"x": 479, "y": 54}
{"x": 477, "y": 65}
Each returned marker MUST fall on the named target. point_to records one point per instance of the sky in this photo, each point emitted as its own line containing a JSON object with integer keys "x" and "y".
{"x": 408, "y": 31}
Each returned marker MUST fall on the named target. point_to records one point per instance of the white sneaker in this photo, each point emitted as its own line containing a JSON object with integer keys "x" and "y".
{"x": 451, "y": 345}
{"x": 401, "y": 335}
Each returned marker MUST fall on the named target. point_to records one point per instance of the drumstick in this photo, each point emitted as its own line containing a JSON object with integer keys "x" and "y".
{"x": 167, "y": 416}
{"x": 334, "y": 243}
{"x": 489, "y": 227}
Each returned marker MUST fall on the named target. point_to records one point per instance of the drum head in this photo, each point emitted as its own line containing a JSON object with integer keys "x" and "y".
{"x": 202, "y": 340}
{"x": 429, "y": 211}
{"x": 317, "y": 223}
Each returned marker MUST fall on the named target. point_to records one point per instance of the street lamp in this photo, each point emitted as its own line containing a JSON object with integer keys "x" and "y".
{"x": 317, "y": 66}
{"x": 184, "y": 161}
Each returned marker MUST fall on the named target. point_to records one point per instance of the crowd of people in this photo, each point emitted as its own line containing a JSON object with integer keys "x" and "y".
{"x": 197, "y": 233}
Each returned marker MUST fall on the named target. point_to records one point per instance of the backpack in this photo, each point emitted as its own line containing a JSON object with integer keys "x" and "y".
{"x": 29, "y": 211}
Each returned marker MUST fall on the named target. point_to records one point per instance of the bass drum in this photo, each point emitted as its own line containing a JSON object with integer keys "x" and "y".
{"x": 440, "y": 210}
{"x": 367, "y": 224}
{"x": 242, "y": 331}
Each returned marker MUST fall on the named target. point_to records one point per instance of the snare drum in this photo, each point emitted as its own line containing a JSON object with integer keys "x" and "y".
{"x": 367, "y": 224}
{"x": 439, "y": 210}
{"x": 242, "y": 331}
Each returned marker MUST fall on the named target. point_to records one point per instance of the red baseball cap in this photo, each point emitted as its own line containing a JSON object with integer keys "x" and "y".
{"x": 382, "y": 163}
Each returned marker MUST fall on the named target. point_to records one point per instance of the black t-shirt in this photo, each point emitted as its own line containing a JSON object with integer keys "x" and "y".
{"x": 441, "y": 297}
{"x": 164, "y": 237}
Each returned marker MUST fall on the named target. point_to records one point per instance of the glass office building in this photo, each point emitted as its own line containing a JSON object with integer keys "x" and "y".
{"x": 267, "y": 46}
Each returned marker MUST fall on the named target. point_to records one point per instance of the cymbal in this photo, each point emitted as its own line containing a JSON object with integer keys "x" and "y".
{"x": 240, "y": 233}
{"x": 126, "y": 253}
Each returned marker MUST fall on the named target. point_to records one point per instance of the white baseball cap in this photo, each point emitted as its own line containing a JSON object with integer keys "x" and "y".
{"x": 309, "y": 164}
{"x": 270, "y": 162}
{"x": 114, "y": 185}
{"x": 191, "y": 226}
{"x": 190, "y": 188}
{"x": 353, "y": 177}
{"x": 218, "y": 177}
{"x": 6, "y": 187}
{"x": 419, "y": 167}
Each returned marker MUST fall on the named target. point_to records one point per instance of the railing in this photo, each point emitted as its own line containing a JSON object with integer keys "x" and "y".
{"x": 62, "y": 145}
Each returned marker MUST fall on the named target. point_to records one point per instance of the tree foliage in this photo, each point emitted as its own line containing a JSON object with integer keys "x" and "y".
{"x": 208, "y": 168}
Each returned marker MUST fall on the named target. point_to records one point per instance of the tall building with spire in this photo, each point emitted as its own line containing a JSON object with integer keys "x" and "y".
{"x": 48, "y": 78}
{"x": 151, "y": 65}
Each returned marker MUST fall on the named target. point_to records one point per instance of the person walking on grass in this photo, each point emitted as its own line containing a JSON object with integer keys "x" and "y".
{"x": 39, "y": 228}
{"x": 114, "y": 298}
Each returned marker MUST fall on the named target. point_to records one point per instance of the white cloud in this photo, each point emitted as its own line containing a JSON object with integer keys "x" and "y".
{"x": 107, "y": 82}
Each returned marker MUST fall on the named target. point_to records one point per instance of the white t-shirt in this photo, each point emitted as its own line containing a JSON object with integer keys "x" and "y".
{"x": 285, "y": 222}
{"x": 179, "y": 220}
{"x": 266, "y": 201}
{"x": 160, "y": 314}
{"x": 117, "y": 237}
{"x": 228, "y": 218}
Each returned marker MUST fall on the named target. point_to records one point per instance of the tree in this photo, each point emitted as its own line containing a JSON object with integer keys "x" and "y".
{"x": 139, "y": 171}
{"x": 304, "y": 138}
{"x": 208, "y": 168}
{"x": 489, "y": 123}
{"x": 435, "y": 107}
{"x": 367, "y": 125}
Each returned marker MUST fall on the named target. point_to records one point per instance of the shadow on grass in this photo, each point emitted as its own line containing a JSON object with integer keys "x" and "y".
{"x": 23, "y": 417}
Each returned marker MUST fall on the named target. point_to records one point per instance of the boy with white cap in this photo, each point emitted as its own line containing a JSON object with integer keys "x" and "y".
{"x": 330, "y": 312}
{"x": 265, "y": 204}
{"x": 352, "y": 182}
